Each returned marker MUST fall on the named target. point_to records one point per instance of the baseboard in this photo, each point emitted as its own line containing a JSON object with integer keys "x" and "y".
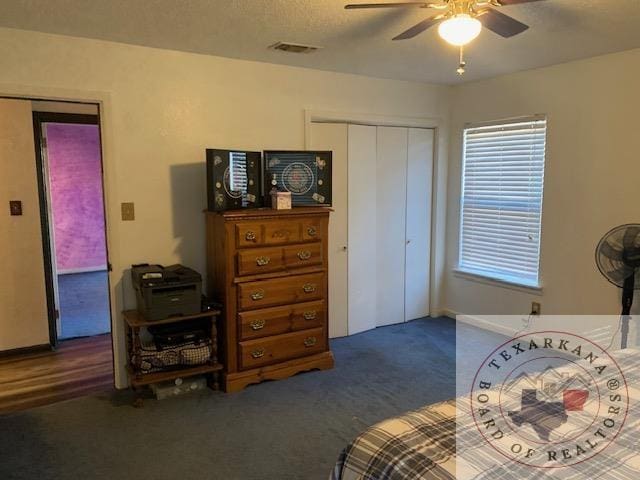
{"x": 25, "y": 350}
{"x": 70, "y": 271}
{"x": 442, "y": 313}
{"x": 449, "y": 313}
{"x": 480, "y": 322}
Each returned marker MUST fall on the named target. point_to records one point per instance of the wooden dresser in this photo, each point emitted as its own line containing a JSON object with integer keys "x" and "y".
{"x": 269, "y": 270}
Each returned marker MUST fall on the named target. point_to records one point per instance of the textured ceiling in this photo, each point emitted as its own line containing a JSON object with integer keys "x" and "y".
{"x": 356, "y": 41}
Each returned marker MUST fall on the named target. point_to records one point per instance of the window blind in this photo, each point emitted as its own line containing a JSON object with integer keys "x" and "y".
{"x": 501, "y": 211}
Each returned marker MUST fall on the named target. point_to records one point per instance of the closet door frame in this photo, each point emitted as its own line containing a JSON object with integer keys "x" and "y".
{"x": 439, "y": 179}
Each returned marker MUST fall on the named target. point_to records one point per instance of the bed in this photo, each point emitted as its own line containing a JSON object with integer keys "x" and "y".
{"x": 441, "y": 442}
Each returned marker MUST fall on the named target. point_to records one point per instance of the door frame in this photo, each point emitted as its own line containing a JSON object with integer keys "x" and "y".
{"x": 107, "y": 133}
{"x": 439, "y": 180}
{"x": 44, "y": 194}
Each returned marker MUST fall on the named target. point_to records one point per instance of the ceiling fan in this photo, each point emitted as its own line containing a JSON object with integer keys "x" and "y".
{"x": 460, "y": 21}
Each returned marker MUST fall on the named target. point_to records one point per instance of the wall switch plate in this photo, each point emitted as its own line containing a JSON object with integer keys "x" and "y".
{"x": 128, "y": 211}
{"x": 15, "y": 207}
{"x": 535, "y": 308}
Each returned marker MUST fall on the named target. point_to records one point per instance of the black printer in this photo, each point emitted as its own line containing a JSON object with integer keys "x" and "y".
{"x": 162, "y": 292}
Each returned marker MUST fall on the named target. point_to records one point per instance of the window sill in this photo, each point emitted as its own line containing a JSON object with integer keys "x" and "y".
{"x": 533, "y": 290}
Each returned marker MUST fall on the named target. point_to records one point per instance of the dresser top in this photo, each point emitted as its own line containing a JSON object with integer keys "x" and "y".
{"x": 269, "y": 212}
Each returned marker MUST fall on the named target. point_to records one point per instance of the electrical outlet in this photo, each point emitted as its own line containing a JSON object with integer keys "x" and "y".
{"x": 128, "y": 211}
{"x": 535, "y": 308}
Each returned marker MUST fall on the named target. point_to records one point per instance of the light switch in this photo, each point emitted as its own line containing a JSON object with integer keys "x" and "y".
{"x": 128, "y": 211}
{"x": 15, "y": 207}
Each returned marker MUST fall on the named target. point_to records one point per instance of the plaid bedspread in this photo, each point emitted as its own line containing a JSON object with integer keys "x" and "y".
{"x": 442, "y": 442}
{"x": 418, "y": 445}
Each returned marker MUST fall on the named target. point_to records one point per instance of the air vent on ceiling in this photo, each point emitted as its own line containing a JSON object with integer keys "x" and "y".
{"x": 294, "y": 47}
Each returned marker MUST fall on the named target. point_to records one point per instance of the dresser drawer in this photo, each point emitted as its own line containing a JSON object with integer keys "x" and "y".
{"x": 277, "y": 320}
{"x": 311, "y": 229}
{"x": 264, "y": 351}
{"x": 249, "y": 234}
{"x": 265, "y": 322}
{"x": 281, "y": 232}
{"x": 280, "y": 291}
{"x": 278, "y": 232}
{"x": 260, "y": 260}
{"x": 308, "y": 315}
{"x": 303, "y": 255}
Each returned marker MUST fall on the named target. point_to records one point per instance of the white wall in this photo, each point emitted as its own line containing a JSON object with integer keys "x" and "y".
{"x": 161, "y": 109}
{"x": 592, "y": 178}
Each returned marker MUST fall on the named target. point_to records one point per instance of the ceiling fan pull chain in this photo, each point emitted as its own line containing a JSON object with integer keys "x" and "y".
{"x": 462, "y": 64}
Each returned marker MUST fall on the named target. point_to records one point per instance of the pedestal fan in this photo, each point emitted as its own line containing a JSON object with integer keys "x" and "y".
{"x": 618, "y": 259}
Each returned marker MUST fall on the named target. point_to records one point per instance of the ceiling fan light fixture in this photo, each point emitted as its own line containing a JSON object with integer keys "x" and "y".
{"x": 460, "y": 29}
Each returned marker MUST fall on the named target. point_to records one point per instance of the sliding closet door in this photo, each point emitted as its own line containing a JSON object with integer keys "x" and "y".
{"x": 391, "y": 198}
{"x": 379, "y": 232}
{"x": 363, "y": 222}
{"x": 332, "y": 136}
{"x": 418, "y": 226}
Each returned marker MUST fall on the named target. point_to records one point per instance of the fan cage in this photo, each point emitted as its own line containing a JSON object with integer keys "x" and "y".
{"x": 611, "y": 268}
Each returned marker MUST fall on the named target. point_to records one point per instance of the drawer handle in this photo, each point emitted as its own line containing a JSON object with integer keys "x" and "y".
{"x": 311, "y": 231}
{"x": 309, "y": 288}
{"x": 262, "y": 261}
{"x": 310, "y": 315}
{"x": 304, "y": 255}
{"x": 257, "y": 295}
{"x": 310, "y": 341}
{"x": 257, "y": 324}
{"x": 258, "y": 353}
{"x": 250, "y": 236}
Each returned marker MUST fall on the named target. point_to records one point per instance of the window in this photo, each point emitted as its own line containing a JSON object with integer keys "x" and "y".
{"x": 501, "y": 209}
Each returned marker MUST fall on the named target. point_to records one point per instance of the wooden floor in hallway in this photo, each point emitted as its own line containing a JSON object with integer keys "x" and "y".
{"x": 78, "y": 367}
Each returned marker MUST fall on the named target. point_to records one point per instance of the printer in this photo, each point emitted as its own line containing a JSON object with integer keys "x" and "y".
{"x": 163, "y": 292}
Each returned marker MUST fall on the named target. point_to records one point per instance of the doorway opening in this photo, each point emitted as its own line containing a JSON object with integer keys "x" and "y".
{"x": 55, "y": 318}
{"x": 68, "y": 150}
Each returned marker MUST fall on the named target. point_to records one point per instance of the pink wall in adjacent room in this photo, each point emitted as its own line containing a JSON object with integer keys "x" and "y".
{"x": 73, "y": 153}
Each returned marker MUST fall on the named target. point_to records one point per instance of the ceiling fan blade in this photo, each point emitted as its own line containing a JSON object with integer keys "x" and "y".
{"x": 504, "y": 3}
{"x": 419, "y": 28}
{"x": 353, "y": 6}
{"x": 502, "y": 24}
